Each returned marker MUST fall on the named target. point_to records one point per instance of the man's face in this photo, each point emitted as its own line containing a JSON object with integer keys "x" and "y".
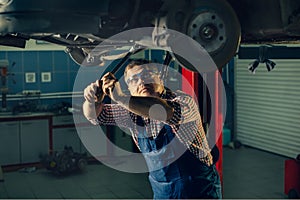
{"x": 143, "y": 80}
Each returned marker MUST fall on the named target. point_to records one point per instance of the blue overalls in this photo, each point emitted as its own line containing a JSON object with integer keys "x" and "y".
{"x": 185, "y": 178}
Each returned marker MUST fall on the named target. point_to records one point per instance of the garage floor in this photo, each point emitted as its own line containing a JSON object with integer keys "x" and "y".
{"x": 248, "y": 173}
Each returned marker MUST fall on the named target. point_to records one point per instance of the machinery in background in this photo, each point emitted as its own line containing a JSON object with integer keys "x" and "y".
{"x": 3, "y": 88}
{"x": 65, "y": 162}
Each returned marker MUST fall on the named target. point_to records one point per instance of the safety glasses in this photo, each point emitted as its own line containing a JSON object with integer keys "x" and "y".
{"x": 143, "y": 75}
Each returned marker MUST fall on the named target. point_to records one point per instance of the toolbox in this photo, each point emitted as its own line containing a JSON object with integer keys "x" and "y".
{"x": 292, "y": 178}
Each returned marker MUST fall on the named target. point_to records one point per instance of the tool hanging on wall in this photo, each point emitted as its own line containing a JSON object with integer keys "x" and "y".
{"x": 4, "y": 89}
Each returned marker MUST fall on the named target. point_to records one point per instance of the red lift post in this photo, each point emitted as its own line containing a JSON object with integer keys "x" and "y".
{"x": 216, "y": 121}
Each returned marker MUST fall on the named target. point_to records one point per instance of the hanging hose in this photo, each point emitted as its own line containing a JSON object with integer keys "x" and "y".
{"x": 164, "y": 71}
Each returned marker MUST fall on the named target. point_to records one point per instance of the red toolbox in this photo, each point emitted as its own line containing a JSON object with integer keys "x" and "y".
{"x": 292, "y": 178}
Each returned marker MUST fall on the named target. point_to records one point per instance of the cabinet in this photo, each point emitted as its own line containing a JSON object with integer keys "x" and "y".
{"x": 23, "y": 141}
{"x": 103, "y": 141}
{"x": 34, "y": 140}
{"x": 81, "y": 135}
{"x": 64, "y": 133}
{"x": 93, "y": 140}
{"x": 65, "y": 137}
{"x": 9, "y": 143}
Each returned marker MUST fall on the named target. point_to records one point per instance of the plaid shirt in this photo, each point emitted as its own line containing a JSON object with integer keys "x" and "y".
{"x": 186, "y": 123}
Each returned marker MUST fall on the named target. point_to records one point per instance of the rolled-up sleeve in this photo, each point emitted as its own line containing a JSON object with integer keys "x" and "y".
{"x": 185, "y": 109}
{"x": 114, "y": 114}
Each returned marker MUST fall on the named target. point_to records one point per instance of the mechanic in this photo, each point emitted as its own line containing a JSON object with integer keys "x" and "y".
{"x": 161, "y": 122}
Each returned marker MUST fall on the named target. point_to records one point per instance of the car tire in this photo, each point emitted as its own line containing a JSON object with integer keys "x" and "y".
{"x": 213, "y": 24}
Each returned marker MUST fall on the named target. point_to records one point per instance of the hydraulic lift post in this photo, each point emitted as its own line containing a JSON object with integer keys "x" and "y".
{"x": 217, "y": 116}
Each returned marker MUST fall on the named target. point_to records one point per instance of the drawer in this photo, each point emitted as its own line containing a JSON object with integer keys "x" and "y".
{"x": 80, "y": 119}
{"x": 63, "y": 120}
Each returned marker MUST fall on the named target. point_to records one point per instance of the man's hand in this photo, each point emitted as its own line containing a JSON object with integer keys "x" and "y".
{"x": 90, "y": 92}
{"x": 111, "y": 87}
{"x": 92, "y": 105}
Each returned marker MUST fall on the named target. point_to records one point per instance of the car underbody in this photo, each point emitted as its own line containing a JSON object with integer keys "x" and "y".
{"x": 220, "y": 26}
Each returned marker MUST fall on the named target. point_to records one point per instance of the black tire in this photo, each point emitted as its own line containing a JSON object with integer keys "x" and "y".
{"x": 293, "y": 194}
{"x": 213, "y": 24}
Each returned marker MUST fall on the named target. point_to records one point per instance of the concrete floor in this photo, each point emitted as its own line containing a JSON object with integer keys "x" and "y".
{"x": 247, "y": 173}
{"x": 253, "y": 174}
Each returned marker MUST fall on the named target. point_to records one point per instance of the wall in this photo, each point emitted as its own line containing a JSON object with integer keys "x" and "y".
{"x": 44, "y": 57}
{"x": 35, "y": 58}
{"x": 38, "y": 58}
